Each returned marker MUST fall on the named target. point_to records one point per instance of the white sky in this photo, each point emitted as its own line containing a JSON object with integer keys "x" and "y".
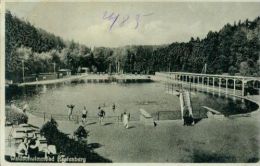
{"x": 168, "y": 21}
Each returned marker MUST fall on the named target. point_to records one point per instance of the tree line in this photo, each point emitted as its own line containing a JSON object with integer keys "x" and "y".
{"x": 234, "y": 49}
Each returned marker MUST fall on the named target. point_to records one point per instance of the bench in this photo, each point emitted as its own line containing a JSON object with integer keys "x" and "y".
{"x": 145, "y": 117}
{"x": 213, "y": 113}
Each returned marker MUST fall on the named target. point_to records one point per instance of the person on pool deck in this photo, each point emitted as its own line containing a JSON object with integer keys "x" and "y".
{"x": 185, "y": 116}
{"x": 84, "y": 115}
{"x": 70, "y": 110}
{"x": 33, "y": 148}
{"x": 126, "y": 118}
{"x": 22, "y": 149}
{"x": 114, "y": 107}
{"x": 101, "y": 115}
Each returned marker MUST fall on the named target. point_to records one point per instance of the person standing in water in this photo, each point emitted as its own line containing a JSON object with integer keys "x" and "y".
{"x": 101, "y": 115}
{"x": 114, "y": 107}
{"x": 70, "y": 110}
{"x": 84, "y": 115}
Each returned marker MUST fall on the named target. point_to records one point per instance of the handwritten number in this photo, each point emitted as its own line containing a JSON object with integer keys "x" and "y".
{"x": 124, "y": 21}
{"x": 113, "y": 21}
{"x": 112, "y": 17}
{"x": 137, "y": 20}
{"x": 115, "y": 17}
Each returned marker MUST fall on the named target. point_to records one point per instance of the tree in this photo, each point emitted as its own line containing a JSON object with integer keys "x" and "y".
{"x": 81, "y": 133}
{"x": 244, "y": 68}
{"x": 232, "y": 70}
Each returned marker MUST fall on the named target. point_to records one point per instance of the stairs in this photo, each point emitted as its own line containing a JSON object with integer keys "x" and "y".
{"x": 186, "y": 101}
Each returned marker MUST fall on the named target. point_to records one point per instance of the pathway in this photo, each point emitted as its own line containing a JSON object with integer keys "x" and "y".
{"x": 229, "y": 140}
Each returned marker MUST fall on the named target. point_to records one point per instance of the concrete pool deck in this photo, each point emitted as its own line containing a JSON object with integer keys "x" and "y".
{"x": 234, "y": 139}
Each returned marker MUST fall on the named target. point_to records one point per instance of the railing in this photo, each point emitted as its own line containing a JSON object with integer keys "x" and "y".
{"x": 167, "y": 115}
{"x": 201, "y": 87}
{"x": 75, "y": 118}
{"x": 160, "y": 115}
{"x": 176, "y": 114}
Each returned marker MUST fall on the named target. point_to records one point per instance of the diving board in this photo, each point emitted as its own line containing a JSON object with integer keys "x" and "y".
{"x": 145, "y": 117}
{"x": 213, "y": 113}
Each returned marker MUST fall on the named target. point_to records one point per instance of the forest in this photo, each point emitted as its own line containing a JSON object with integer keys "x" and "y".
{"x": 234, "y": 50}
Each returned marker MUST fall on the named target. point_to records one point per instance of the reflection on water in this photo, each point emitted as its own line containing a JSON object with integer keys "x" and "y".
{"x": 127, "y": 97}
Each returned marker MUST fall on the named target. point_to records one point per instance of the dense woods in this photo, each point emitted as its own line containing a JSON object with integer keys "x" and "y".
{"x": 235, "y": 49}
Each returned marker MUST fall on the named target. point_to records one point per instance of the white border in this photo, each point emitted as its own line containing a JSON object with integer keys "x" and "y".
{"x": 2, "y": 85}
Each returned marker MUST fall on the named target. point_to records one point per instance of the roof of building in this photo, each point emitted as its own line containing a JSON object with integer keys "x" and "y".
{"x": 64, "y": 70}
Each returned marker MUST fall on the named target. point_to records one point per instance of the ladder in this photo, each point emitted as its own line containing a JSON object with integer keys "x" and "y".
{"x": 185, "y": 101}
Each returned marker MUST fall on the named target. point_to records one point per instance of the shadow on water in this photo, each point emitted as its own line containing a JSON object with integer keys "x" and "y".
{"x": 197, "y": 120}
{"x": 131, "y": 127}
{"x": 106, "y": 124}
{"x": 91, "y": 123}
{"x": 94, "y": 145}
{"x": 227, "y": 105}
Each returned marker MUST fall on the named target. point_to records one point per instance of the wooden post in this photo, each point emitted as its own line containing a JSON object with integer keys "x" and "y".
{"x": 226, "y": 85}
{"x": 243, "y": 87}
{"x": 202, "y": 85}
{"x": 194, "y": 85}
{"x": 198, "y": 81}
{"x": 207, "y": 83}
{"x": 23, "y": 69}
{"x": 213, "y": 84}
{"x": 219, "y": 85}
{"x": 182, "y": 80}
{"x": 234, "y": 86}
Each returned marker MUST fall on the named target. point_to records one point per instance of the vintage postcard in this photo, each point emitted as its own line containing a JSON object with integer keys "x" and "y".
{"x": 130, "y": 82}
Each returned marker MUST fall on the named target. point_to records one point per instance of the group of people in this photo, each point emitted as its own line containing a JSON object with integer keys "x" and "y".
{"x": 101, "y": 114}
{"x": 28, "y": 147}
{"x": 84, "y": 113}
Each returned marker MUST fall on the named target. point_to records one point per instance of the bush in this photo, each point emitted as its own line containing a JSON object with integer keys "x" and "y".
{"x": 69, "y": 147}
{"x": 81, "y": 133}
{"x": 14, "y": 116}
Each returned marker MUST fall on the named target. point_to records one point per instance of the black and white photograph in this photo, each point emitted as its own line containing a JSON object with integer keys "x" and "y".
{"x": 130, "y": 82}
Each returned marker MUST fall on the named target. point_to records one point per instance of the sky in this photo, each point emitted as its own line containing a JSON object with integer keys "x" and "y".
{"x": 117, "y": 24}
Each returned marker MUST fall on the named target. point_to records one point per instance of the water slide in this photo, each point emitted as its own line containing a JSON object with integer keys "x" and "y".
{"x": 185, "y": 101}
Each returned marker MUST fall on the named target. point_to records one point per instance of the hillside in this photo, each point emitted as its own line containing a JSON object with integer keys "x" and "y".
{"x": 233, "y": 49}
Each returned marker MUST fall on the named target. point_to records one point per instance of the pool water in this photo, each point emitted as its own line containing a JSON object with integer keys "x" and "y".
{"x": 127, "y": 98}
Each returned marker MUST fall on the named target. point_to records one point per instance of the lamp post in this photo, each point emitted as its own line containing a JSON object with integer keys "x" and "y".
{"x": 23, "y": 69}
